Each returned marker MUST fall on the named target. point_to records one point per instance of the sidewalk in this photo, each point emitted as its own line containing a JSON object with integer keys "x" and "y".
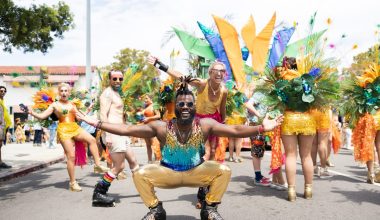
{"x": 24, "y": 158}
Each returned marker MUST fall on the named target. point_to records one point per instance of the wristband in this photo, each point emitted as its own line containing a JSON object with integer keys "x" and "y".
{"x": 261, "y": 129}
{"x": 158, "y": 64}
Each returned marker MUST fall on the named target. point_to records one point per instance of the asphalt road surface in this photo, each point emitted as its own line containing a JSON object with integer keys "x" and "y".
{"x": 44, "y": 194}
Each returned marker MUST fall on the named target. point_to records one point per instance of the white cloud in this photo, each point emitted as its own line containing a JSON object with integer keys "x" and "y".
{"x": 141, "y": 24}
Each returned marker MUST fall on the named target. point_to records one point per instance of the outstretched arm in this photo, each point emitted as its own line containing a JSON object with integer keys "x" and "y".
{"x": 174, "y": 73}
{"x": 141, "y": 131}
{"x": 43, "y": 115}
{"x": 240, "y": 131}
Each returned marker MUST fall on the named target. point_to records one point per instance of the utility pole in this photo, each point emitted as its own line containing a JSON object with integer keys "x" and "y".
{"x": 88, "y": 45}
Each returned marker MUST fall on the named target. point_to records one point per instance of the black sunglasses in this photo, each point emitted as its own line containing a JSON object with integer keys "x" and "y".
{"x": 115, "y": 79}
{"x": 182, "y": 104}
{"x": 3, "y": 91}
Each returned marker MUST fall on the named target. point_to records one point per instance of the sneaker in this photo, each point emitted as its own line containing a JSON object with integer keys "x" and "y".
{"x": 282, "y": 187}
{"x": 231, "y": 159}
{"x": 263, "y": 182}
{"x": 317, "y": 171}
{"x": 279, "y": 187}
{"x": 324, "y": 173}
{"x": 156, "y": 213}
{"x": 273, "y": 185}
{"x": 210, "y": 212}
{"x": 239, "y": 160}
{"x": 4, "y": 166}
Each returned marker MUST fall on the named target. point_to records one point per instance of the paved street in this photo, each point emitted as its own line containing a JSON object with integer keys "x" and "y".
{"x": 44, "y": 194}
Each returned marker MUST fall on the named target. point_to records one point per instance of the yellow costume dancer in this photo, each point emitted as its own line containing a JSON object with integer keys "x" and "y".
{"x": 210, "y": 109}
{"x": 361, "y": 107}
{"x": 296, "y": 88}
{"x": 67, "y": 126}
{"x": 68, "y": 130}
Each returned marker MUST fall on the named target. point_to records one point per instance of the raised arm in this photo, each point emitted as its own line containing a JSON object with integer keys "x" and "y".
{"x": 43, "y": 115}
{"x": 240, "y": 131}
{"x": 174, "y": 73}
{"x": 141, "y": 131}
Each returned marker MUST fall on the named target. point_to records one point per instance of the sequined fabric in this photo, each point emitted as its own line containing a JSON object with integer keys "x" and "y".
{"x": 323, "y": 119}
{"x": 67, "y": 127}
{"x": 68, "y": 130}
{"x": 182, "y": 157}
{"x": 298, "y": 123}
{"x": 236, "y": 119}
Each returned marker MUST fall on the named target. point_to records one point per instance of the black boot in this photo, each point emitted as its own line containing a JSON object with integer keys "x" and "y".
{"x": 156, "y": 213}
{"x": 201, "y": 196}
{"x": 210, "y": 212}
{"x": 100, "y": 198}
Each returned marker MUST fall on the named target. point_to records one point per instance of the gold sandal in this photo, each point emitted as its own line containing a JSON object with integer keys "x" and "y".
{"x": 292, "y": 193}
{"x": 100, "y": 169}
{"x": 74, "y": 187}
{"x": 308, "y": 194}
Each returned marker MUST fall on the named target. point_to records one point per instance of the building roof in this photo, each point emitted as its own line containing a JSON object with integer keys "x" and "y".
{"x": 55, "y": 70}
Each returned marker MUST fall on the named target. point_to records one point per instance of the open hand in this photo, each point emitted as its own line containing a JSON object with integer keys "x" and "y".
{"x": 270, "y": 124}
{"x": 89, "y": 120}
{"x": 152, "y": 59}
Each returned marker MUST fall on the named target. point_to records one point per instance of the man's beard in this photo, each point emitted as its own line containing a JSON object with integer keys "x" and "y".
{"x": 184, "y": 121}
{"x": 116, "y": 88}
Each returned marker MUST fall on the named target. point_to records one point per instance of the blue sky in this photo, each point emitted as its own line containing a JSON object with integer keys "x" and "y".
{"x": 142, "y": 24}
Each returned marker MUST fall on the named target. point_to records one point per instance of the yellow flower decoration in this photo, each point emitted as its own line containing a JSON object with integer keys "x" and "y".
{"x": 290, "y": 74}
{"x": 369, "y": 75}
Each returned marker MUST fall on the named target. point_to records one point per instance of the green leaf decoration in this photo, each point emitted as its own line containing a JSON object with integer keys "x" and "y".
{"x": 14, "y": 74}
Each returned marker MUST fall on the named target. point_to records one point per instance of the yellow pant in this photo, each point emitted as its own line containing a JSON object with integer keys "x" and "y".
{"x": 209, "y": 173}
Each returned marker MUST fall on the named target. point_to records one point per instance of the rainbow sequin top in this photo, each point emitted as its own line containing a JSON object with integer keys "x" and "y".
{"x": 182, "y": 157}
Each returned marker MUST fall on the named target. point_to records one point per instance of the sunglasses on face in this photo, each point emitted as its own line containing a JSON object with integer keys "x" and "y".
{"x": 223, "y": 71}
{"x": 182, "y": 104}
{"x": 115, "y": 79}
{"x": 3, "y": 91}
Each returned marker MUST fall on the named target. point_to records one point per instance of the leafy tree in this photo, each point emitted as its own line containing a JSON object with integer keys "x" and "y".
{"x": 362, "y": 60}
{"x": 32, "y": 28}
{"x": 129, "y": 56}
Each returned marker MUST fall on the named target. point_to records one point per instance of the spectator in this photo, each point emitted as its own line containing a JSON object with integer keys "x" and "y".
{"x": 27, "y": 132}
{"x": 37, "y": 134}
{"x": 53, "y": 131}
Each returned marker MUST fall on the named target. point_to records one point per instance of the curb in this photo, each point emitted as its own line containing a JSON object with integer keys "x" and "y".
{"x": 28, "y": 169}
